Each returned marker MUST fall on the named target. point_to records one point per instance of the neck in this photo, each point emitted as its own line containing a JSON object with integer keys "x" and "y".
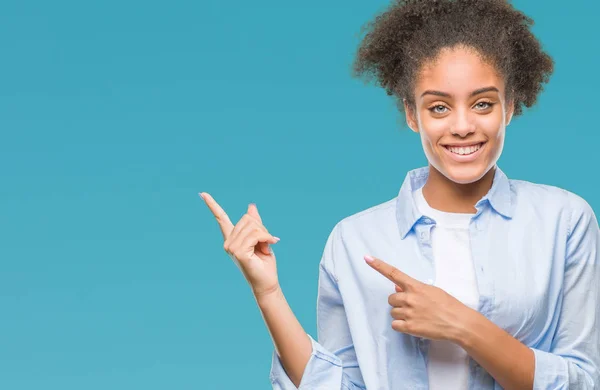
{"x": 443, "y": 194}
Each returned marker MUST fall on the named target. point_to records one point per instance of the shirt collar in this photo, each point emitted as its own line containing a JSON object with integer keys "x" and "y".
{"x": 499, "y": 197}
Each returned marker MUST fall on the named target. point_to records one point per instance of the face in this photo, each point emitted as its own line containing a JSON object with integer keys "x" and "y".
{"x": 461, "y": 114}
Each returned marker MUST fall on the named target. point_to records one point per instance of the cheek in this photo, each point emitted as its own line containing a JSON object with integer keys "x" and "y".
{"x": 492, "y": 125}
{"x": 432, "y": 131}
{"x": 494, "y": 132}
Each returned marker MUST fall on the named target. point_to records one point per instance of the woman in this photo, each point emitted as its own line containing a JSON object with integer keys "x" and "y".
{"x": 467, "y": 279}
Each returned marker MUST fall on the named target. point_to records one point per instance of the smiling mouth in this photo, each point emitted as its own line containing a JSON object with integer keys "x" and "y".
{"x": 464, "y": 150}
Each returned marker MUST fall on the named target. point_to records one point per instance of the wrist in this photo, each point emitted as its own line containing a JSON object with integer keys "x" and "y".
{"x": 466, "y": 327}
{"x": 268, "y": 296}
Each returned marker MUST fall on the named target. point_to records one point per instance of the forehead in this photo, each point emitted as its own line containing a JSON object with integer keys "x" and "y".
{"x": 458, "y": 71}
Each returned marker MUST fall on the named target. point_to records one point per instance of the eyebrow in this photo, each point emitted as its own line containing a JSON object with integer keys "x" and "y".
{"x": 475, "y": 92}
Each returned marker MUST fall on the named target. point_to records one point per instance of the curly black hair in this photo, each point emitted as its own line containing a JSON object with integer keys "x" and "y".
{"x": 412, "y": 32}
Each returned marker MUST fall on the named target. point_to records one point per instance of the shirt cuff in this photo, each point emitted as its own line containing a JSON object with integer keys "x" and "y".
{"x": 551, "y": 371}
{"x": 323, "y": 370}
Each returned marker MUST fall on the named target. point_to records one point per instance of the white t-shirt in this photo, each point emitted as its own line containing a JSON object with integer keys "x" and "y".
{"x": 448, "y": 365}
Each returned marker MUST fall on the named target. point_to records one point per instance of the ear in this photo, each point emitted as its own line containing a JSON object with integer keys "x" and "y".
{"x": 510, "y": 109}
{"x": 411, "y": 118}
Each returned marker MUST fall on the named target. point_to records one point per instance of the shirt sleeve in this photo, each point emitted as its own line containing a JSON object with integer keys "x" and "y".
{"x": 574, "y": 359}
{"x": 332, "y": 364}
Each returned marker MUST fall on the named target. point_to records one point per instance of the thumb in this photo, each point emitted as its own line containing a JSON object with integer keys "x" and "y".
{"x": 253, "y": 212}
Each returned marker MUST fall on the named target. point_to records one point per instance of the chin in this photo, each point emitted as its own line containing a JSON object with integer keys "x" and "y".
{"x": 465, "y": 174}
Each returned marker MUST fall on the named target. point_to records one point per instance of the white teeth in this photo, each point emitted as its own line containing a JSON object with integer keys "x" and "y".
{"x": 464, "y": 150}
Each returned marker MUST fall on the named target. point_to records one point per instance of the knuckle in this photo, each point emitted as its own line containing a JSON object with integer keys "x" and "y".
{"x": 397, "y": 326}
{"x": 236, "y": 253}
{"x": 253, "y": 220}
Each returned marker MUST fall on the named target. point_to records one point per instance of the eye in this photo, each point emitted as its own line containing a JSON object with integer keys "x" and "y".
{"x": 438, "y": 109}
{"x": 483, "y": 105}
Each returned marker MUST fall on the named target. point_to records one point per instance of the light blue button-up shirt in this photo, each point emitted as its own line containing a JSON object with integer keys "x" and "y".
{"x": 535, "y": 250}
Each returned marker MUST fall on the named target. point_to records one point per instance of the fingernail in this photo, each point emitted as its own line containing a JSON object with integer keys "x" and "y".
{"x": 368, "y": 258}
{"x": 201, "y": 195}
{"x": 277, "y": 238}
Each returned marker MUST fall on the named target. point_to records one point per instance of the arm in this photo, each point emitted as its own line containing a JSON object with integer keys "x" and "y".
{"x": 573, "y": 360}
{"x": 506, "y": 359}
{"x": 330, "y": 362}
{"x": 309, "y": 365}
{"x": 292, "y": 344}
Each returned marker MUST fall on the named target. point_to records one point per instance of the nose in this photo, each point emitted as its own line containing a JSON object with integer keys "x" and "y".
{"x": 463, "y": 124}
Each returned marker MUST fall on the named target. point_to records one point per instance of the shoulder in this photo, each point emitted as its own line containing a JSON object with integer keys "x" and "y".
{"x": 550, "y": 198}
{"x": 371, "y": 223}
{"x": 540, "y": 195}
{"x": 582, "y": 216}
{"x": 368, "y": 220}
{"x": 370, "y": 213}
{"x": 530, "y": 190}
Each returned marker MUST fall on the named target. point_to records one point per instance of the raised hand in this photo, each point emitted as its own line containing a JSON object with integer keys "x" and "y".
{"x": 247, "y": 243}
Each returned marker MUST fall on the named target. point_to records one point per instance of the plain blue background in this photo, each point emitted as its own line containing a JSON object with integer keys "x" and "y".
{"x": 115, "y": 114}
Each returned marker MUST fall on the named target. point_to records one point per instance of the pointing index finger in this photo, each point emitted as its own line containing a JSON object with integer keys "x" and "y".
{"x": 220, "y": 214}
{"x": 392, "y": 273}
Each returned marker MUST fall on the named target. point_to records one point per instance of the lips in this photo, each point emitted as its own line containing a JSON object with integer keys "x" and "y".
{"x": 470, "y": 153}
{"x": 464, "y": 149}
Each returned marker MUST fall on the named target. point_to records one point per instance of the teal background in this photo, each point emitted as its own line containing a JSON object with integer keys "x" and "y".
{"x": 115, "y": 114}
